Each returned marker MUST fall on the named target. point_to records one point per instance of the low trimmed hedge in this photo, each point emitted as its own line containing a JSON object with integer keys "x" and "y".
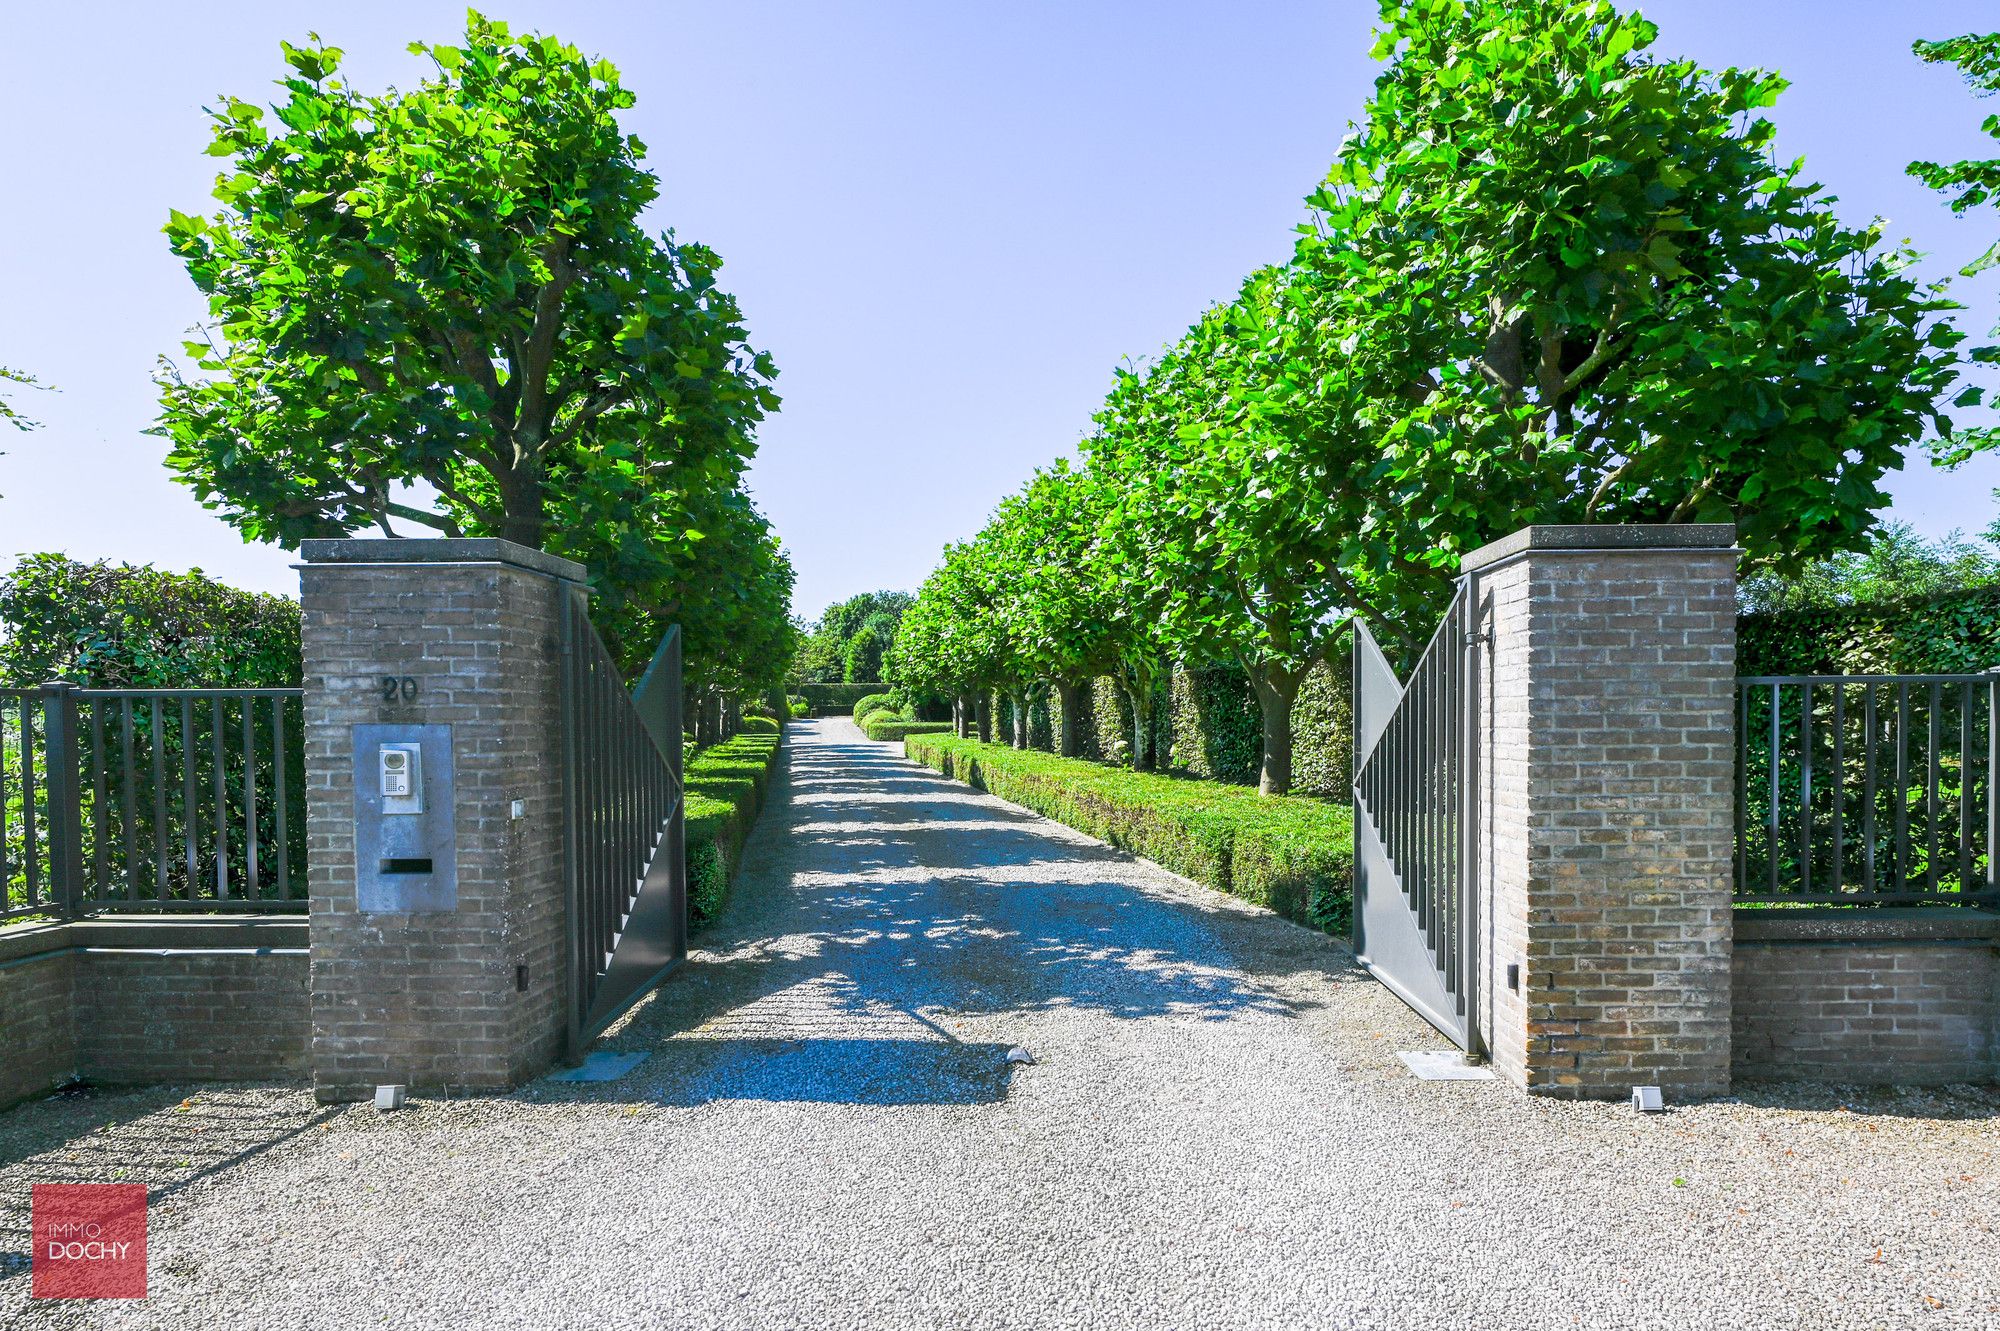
{"x": 885, "y": 727}
{"x": 725, "y": 789}
{"x": 1290, "y": 853}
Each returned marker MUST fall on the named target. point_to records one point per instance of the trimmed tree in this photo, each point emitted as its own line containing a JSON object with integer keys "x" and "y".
{"x": 438, "y": 308}
{"x": 1578, "y": 288}
{"x": 953, "y": 641}
{"x": 1228, "y": 508}
{"x": 1064, "y": 627}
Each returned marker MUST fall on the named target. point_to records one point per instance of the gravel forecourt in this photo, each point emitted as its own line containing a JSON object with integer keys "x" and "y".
{"x": 1216, "y": 1132}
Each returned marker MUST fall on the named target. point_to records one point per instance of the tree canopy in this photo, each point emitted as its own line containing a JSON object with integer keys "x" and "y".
{"x": 439, "y": 309}
{"x": 451, "y": 287}
{"x": 952, "y": 640}
{"x": 1551, "y": 277}
{"x": 1973, "y": 183}
{"x": 1588, "y": 292}
{"x": 8, "y": 413}
{"x": 852, "y": 639}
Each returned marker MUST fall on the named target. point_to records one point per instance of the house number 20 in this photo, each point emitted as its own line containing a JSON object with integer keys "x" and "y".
{"x": 398, "y": 688}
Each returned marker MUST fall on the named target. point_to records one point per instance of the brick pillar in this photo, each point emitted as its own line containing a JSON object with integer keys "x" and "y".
{"x": 1607, "y": 731}
{"x": 435, "y": 965}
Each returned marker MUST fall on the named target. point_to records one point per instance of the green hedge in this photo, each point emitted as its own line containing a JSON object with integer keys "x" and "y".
{"x": 1206, "y": 724}
{"x": 106, "y": 625}
{"x": 725, "y": 789}
{"x": 874, "y": 702}
{"x": 834, "y": 699}
{"x": 1292, "y": 854}
{"x": 1216, "y": 730}
{"x": 1214, "y": 726}
{"x": 881, "y": 727}
{"x": 1957, "y": 633}
{"x": 1041, "y": 721}
{"x": 1323, "y": 729}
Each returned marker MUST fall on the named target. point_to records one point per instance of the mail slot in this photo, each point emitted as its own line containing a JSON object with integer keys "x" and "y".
{"x": 404, "y": 840}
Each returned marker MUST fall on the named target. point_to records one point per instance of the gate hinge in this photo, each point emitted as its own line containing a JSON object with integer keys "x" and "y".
{"x": 1471, "y": 638}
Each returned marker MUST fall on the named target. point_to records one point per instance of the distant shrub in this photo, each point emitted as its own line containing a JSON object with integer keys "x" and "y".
{"x": 874, "y": 702}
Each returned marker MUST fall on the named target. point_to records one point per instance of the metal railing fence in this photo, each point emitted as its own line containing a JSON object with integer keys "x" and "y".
{"x": 1867, "y": 789}
{"x": 150, "y": 800}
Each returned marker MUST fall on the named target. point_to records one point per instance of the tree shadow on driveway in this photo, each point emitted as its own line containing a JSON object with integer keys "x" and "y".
{"x": 881, "y": 907}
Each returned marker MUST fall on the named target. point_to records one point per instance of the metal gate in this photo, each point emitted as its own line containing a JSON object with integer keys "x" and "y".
{"x": 624, "y": 823}
{"x": 1415, "y": 789}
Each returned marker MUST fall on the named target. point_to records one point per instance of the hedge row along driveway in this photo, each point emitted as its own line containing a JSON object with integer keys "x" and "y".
{"x": 726, "y": 783}
{"x": 1292, "y": 854}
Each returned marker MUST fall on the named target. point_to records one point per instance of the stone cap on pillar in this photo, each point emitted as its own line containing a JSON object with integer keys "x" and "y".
{"x": 1557, "y": 537}
{"x": 438, "y": 550}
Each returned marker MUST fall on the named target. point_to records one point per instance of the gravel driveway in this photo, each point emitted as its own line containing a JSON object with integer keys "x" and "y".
{"x": 1216, "y": 1133}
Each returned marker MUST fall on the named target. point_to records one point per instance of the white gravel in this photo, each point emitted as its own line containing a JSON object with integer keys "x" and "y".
{"x": 1215, "y": 1133}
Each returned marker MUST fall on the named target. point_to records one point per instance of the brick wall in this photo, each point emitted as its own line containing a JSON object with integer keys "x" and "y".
{"x": 1909, "y": 997}
{"x": 118, "y": 999}
{"x": 160, "y": 1015}
{"x": 430, "y": 999}
{"x": 37, "y": 1014}
{"x": 1609, "y": 818}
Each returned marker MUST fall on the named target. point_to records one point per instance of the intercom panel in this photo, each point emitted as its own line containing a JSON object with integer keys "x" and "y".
{"x": 404, "y": 840}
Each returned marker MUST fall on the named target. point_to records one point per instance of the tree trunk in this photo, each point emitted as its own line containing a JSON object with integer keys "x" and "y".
{"x": 1020, "y": 701}
{"x": 983, "y": 718}
{"x": 522, "y": 520}
{"x": 1141, "y": 699}
{"x": 1276, "y": 691}
{"x": 1068, "y": 742}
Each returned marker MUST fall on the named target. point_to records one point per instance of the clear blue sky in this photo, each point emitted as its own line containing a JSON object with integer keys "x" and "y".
{"x": 947, "y": 221}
